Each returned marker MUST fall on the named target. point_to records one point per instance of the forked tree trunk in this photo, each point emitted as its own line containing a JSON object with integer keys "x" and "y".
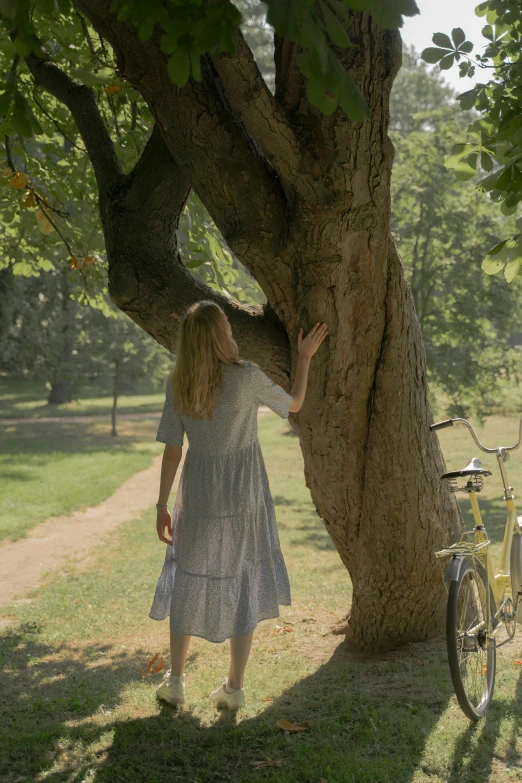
{"x": 303, "y": 201}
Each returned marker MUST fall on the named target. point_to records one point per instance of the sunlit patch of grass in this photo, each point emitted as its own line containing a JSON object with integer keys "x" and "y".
{"x": 53, "y": 469}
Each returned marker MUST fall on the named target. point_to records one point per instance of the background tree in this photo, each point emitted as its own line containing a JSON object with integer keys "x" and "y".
{"x": 495, "y": 146}
{"x": 299, "y": 187}
{"x": 443, "y": 228}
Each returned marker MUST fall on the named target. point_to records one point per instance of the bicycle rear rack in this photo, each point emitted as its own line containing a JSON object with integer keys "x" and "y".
{"x": 464, "y": 548}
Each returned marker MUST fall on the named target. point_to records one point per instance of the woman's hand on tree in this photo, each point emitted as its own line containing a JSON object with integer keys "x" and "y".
{"x": 164, "y": 522}
{"x": 308, "y": 345}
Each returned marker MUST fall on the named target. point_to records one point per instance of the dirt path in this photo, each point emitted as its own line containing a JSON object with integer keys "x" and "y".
{"x": 24, "y": 563}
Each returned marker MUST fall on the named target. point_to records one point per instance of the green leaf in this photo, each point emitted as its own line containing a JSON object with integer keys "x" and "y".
{"x": 492, "y": 266}
{"x": 195, "y": 66}
{"x": 351, "y": 100}
{"x": 5, "y": 102}
{"x": 458, "y": 36}
{"x": 432, "y": 55}
{"x": 466, "y": 47}
{"x": 45, "y": 6}
{"x": 146, "y": 28}
{"x": 318, "y": 96}
{"x": 8, "y": 8}
{"x": 178, "y": 68}
{"x": 447, "y": 62}
{"x": 441, "y": 39}
{"x": 487, "y": 32}
{"x": 482, "y": 9}
{"x": 340, "y": 9}
{"x": 467, "y": 99}
{"x": 389, "y": 13}
{"x": 486, "y": 161}
{"x": 512, "y": 268}
{"x": 338, "y": 35}
{"x": 467, "y": 167}
{"x": 21, "y": 119}
{"x": 505, "y": 179}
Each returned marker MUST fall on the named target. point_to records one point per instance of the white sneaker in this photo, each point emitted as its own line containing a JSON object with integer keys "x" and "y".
{"x": 222, "y": 698}
{"x": 173, "y": 692}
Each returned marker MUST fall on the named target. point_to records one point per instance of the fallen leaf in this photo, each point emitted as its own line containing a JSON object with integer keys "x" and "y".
{"x": 287, "y": 726}
{"x": 267, "y": 762}
{"x": 158, "y": 667}
{"x": 266, "y": 698}
{"x": 323, "y": 780}
{"x": 517, "y": 663}
{"x": 484, "y": 669}
{"x": 308, "y": 620}
{"x": 152, "y": 661}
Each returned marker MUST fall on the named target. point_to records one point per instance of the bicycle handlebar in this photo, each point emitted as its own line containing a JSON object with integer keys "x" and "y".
{"x": 450, "y": 422}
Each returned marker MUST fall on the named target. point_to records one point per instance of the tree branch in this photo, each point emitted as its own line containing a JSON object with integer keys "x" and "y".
{"x": 241, "y": 191}
{"x": 81, "y": 102}
{"x": 254, "y": 105}
{"x": 147, "y": 278}
{"x": 290, "y": 82}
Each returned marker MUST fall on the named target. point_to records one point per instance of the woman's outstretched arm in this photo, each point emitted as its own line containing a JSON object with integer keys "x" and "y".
{"x": 307, "y": 346}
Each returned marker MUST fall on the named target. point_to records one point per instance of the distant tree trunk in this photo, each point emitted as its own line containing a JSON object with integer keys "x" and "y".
{"x": 115, "y": 393}
{"x": 62, "y": 383}
{"x": 60, "y": 393}
{"x": 304, "y": 202}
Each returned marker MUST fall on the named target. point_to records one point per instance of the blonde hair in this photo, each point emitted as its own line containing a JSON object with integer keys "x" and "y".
{"x": 204, "y": 346}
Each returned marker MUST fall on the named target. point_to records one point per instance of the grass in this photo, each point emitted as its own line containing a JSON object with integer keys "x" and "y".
{"x": 27, "y": 399}
{"x": 53, "y": 469}
{"x": 73, "y": 706}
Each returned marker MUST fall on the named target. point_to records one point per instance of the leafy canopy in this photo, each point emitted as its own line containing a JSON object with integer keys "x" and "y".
{"x": 495, "y": 146}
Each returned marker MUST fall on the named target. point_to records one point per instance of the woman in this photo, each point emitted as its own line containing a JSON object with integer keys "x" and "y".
{"x": 223, "y": 570}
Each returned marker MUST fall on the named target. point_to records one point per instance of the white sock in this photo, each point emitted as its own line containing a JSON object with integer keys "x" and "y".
{"x": 176, "y": 677}
{"x": 231, "y": 690}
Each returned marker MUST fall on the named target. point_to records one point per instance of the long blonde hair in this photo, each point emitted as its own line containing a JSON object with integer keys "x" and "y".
{"x": 204, "y": 347}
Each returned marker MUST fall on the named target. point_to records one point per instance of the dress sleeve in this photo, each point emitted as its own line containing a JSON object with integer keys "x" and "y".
{"x": 170, "y": 429}
{"x": 266, "y": 392}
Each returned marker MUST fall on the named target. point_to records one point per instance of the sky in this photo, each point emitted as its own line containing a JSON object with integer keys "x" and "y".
{"x": 441, "y": 16}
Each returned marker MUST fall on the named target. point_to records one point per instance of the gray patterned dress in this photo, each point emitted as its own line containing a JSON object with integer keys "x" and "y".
{"x": 224, "y": 571}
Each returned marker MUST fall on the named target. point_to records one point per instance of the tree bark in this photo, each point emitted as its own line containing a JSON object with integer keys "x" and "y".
{"x": 308, "y": 214}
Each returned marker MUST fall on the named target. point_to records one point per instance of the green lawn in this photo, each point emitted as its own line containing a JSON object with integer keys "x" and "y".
{"x": 49, "y": 469}
{"x": 73, "y": 706}
{"x": 28, "y": 399}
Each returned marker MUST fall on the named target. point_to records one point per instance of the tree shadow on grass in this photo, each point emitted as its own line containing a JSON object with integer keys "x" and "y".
{"x": 475, "y": 755}
{"x": 57, "y": 438}
{"x": 371, "y": 719}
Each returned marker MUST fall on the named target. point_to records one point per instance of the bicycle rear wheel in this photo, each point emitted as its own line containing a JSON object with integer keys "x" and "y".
{"x": 471, "y": 653}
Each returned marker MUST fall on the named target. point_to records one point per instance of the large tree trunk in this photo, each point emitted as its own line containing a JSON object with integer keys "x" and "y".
{"x": 303, "y": 201}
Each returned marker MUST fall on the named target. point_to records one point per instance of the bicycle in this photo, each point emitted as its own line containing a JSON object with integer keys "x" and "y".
{"x": 480, "y": 601}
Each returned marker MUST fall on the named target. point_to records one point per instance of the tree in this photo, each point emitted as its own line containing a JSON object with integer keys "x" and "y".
{"x": 301, "y": 194}
{"x": 495, "y": 146}
{"x": 444, "y": 228}
{"x": 51, "y": 337}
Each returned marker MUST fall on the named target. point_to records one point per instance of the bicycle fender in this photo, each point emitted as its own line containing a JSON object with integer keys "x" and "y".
{"x": 453, "y": 568}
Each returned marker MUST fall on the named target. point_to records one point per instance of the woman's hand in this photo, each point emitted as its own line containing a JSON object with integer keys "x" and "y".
{"x": 308, "y": 345}
{"x": 164, "y": 521}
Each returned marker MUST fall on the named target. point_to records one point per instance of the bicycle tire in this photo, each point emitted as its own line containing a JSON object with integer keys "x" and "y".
{"x": 472, "y": 664}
